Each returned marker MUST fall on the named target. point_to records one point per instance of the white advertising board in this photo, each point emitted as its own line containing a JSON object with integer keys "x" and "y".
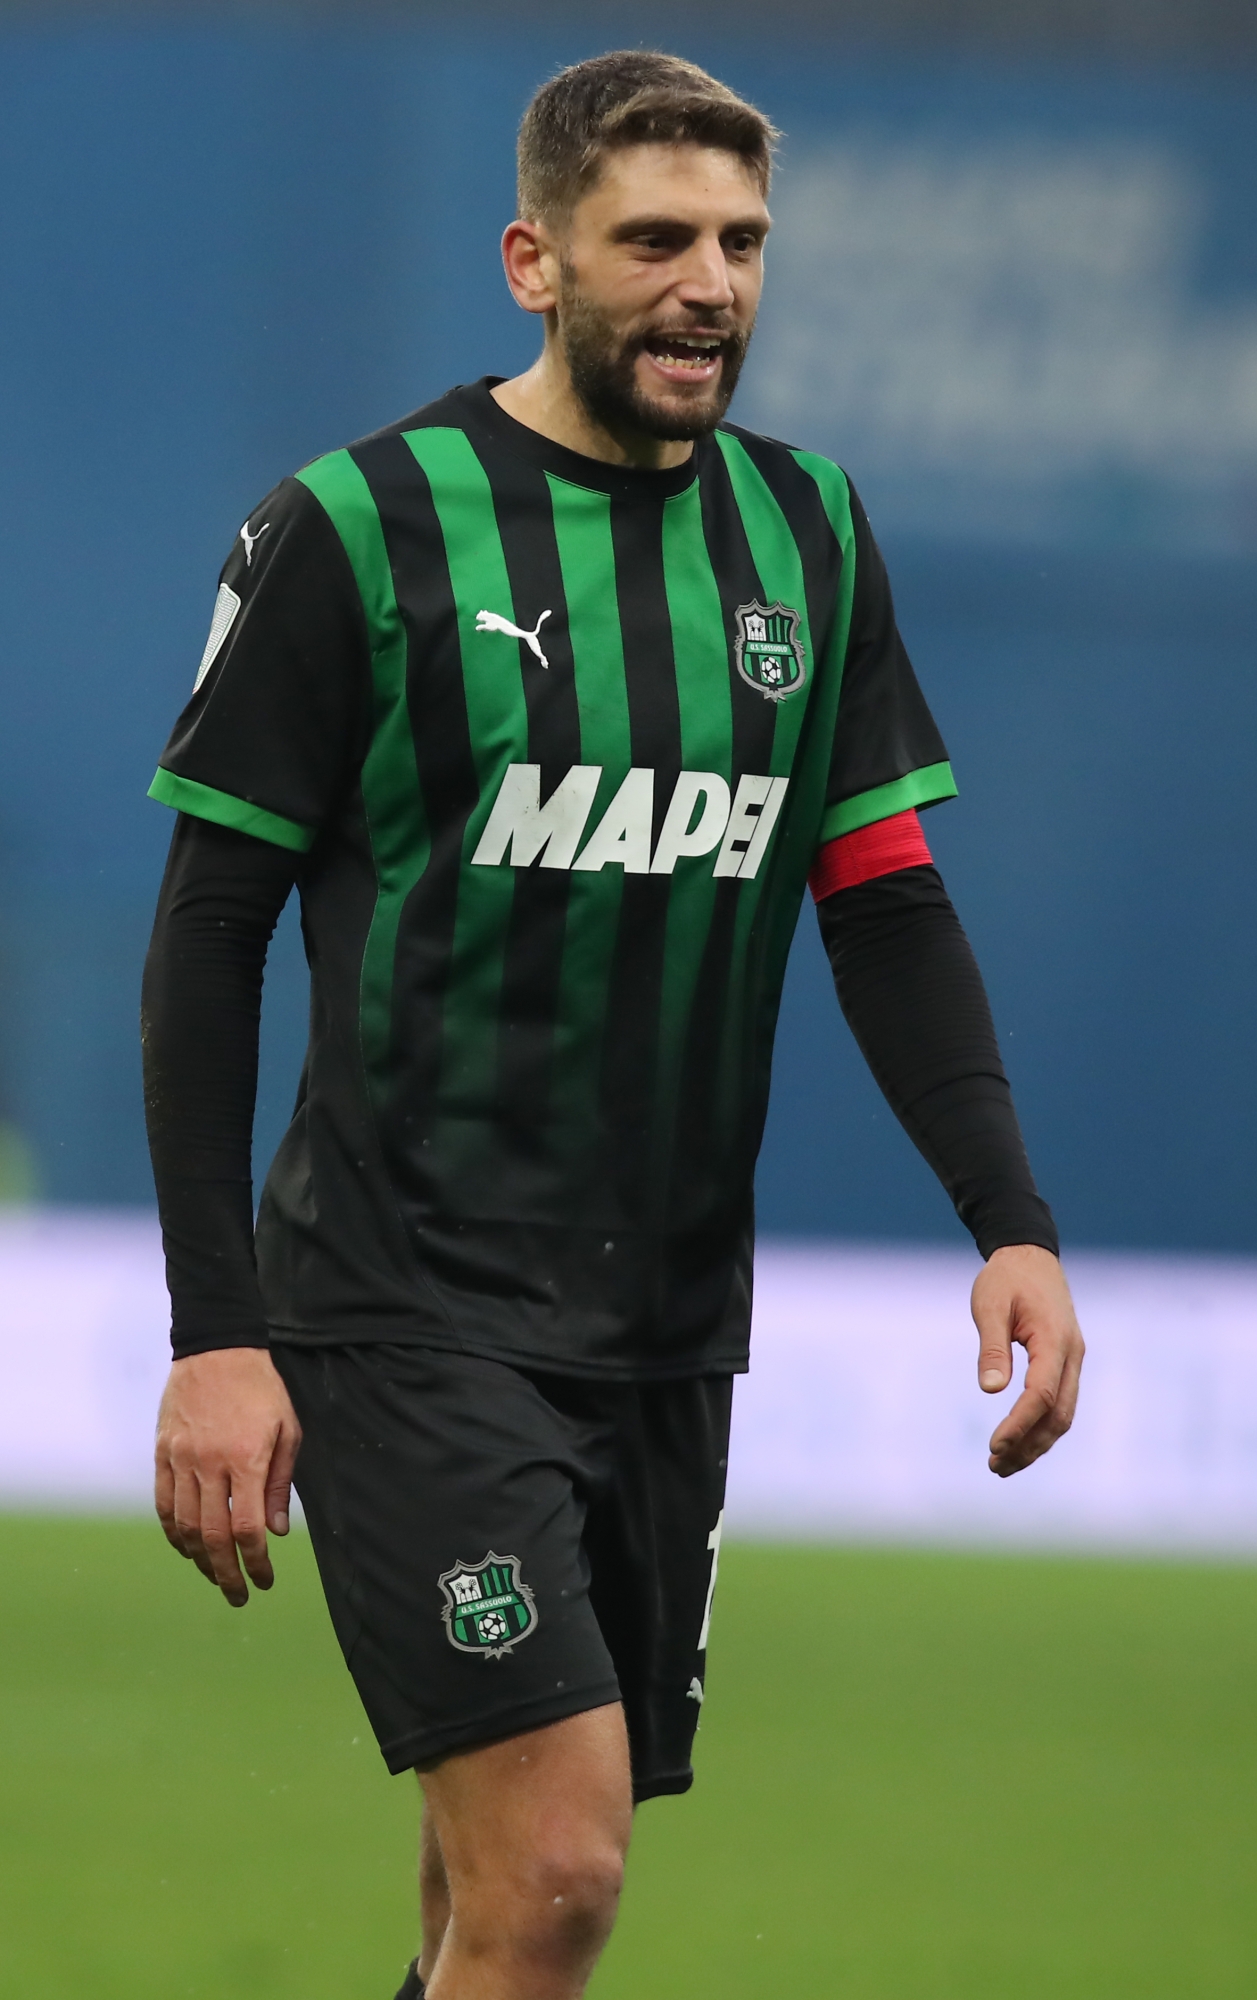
{"x": 861, "y": 1418}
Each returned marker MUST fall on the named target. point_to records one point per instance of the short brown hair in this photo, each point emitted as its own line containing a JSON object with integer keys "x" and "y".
{"x": 632, "y": 97}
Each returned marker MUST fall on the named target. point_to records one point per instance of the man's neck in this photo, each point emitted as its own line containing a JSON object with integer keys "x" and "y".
{"x": 545, "y": 401}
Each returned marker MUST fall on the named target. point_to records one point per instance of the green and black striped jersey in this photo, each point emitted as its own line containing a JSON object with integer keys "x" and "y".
{"x": 557, "y": 743}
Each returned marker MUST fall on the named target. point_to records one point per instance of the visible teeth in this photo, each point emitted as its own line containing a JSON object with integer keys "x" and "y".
{"x": 687, "y": 351}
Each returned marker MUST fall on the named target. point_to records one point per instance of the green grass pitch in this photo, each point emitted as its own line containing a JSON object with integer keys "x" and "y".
{"x": 920, "y": 1777}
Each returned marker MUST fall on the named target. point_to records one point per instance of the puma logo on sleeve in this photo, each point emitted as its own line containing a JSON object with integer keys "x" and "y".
{"x": 249, "y": 541}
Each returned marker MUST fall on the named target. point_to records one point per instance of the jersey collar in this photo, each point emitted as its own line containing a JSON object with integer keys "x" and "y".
{"x": 620, "y": 481}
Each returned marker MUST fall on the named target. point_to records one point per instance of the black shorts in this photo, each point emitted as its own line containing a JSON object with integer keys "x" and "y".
{"x": 501, "y": 1549}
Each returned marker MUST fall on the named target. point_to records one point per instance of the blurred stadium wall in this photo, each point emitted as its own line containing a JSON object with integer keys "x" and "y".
{"x": 1013, "y": 288}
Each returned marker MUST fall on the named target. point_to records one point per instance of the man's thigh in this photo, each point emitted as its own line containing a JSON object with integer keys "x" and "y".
{"x": 442, "y": 1494}
{"x": 547, "y": 1801}
{"x": 533, "y": 1833}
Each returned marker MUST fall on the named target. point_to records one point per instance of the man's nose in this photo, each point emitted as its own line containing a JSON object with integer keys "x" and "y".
{"x": 704, "y": 280}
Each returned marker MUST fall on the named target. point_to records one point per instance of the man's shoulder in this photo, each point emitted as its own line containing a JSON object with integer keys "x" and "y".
{"x": 792, "y": 467}
{"x": 342, "y": 478}
{"x": 452, "y": 411}
{"x": 757, "y": 441}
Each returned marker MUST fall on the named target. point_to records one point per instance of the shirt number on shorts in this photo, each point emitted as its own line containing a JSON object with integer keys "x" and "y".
{"x": 713, "y": 1543}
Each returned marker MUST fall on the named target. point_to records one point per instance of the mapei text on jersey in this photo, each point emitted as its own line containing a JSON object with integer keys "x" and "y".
{"x": 702, "y": 816}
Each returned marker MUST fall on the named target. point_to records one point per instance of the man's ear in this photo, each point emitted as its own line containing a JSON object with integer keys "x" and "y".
{"x": 531, "y": 260}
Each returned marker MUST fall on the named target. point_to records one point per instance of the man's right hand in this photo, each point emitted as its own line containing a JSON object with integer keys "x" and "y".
{"x": 227, "y": 1439}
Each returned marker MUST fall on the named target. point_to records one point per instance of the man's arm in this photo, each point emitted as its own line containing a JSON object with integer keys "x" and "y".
{"x": 913, "y": 996}
{"x": 257, "y": 764}
{"x": 227, "y": 1435}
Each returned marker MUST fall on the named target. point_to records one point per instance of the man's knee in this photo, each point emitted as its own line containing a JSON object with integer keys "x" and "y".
{"x": 534, "y": 1832}
{"x": 578, "y": 1890}
{"x": 554, "y": 1905}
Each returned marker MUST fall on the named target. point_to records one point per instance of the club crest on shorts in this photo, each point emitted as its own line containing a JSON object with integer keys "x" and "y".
{"x": 767, "y": 650}
{"x": 488, "y": 1606}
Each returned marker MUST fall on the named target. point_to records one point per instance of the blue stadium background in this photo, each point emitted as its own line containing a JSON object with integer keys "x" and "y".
{"x": 228, "y": 244}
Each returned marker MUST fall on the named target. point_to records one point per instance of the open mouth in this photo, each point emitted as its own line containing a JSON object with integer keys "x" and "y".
{"x": 682, "y": 357}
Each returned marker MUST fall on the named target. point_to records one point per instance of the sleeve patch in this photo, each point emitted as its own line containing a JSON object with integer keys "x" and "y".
{"x": 226, "y": 605}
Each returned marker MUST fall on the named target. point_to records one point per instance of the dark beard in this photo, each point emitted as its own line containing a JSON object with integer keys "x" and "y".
{"x": 602, "y": 368}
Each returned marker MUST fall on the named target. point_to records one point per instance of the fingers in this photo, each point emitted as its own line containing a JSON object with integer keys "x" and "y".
{"x": 227, "y": 1441}
{"x": 218, "y": 1535}
{"x": 1022, "y": 1296}
{"x": 995, "y": 1354}
{"x": 279, "y": 1478}
{"x": 247, "y": 1529}
{"x": 217, "y": 1523}
{"x": 994, "y": 1321}
{"x": 164, "y": 1501}
{"x": 213, "y": 1517}
{"x": 1071, "y": 1380}
{"x": 1045, "y": 1409}
{"x": 1031, "y": 1427}
{"x": 187, "y": 1519}
{"x": 276, "y": 1501}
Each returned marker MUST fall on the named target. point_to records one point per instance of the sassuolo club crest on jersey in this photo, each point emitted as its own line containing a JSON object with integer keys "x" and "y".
{"x": 488, "y": 1606}
{"x": 767, "y": 650}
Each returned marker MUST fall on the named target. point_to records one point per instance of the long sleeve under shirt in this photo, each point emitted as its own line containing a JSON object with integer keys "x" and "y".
{"x": 905, "y": 977}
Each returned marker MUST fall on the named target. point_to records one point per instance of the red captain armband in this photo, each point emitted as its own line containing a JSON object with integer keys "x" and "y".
{"x": 858, "y": 857}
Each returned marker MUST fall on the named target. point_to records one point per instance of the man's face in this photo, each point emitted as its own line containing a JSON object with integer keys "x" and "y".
{"x": 662, "y": 269}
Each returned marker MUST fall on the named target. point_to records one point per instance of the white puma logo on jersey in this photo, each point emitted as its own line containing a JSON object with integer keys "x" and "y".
{"x": 249, "y": 540}
{"x": 488, "y": 621}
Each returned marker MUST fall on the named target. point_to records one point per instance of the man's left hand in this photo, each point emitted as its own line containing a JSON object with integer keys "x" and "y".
{"x": 1021, "y": 1295}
